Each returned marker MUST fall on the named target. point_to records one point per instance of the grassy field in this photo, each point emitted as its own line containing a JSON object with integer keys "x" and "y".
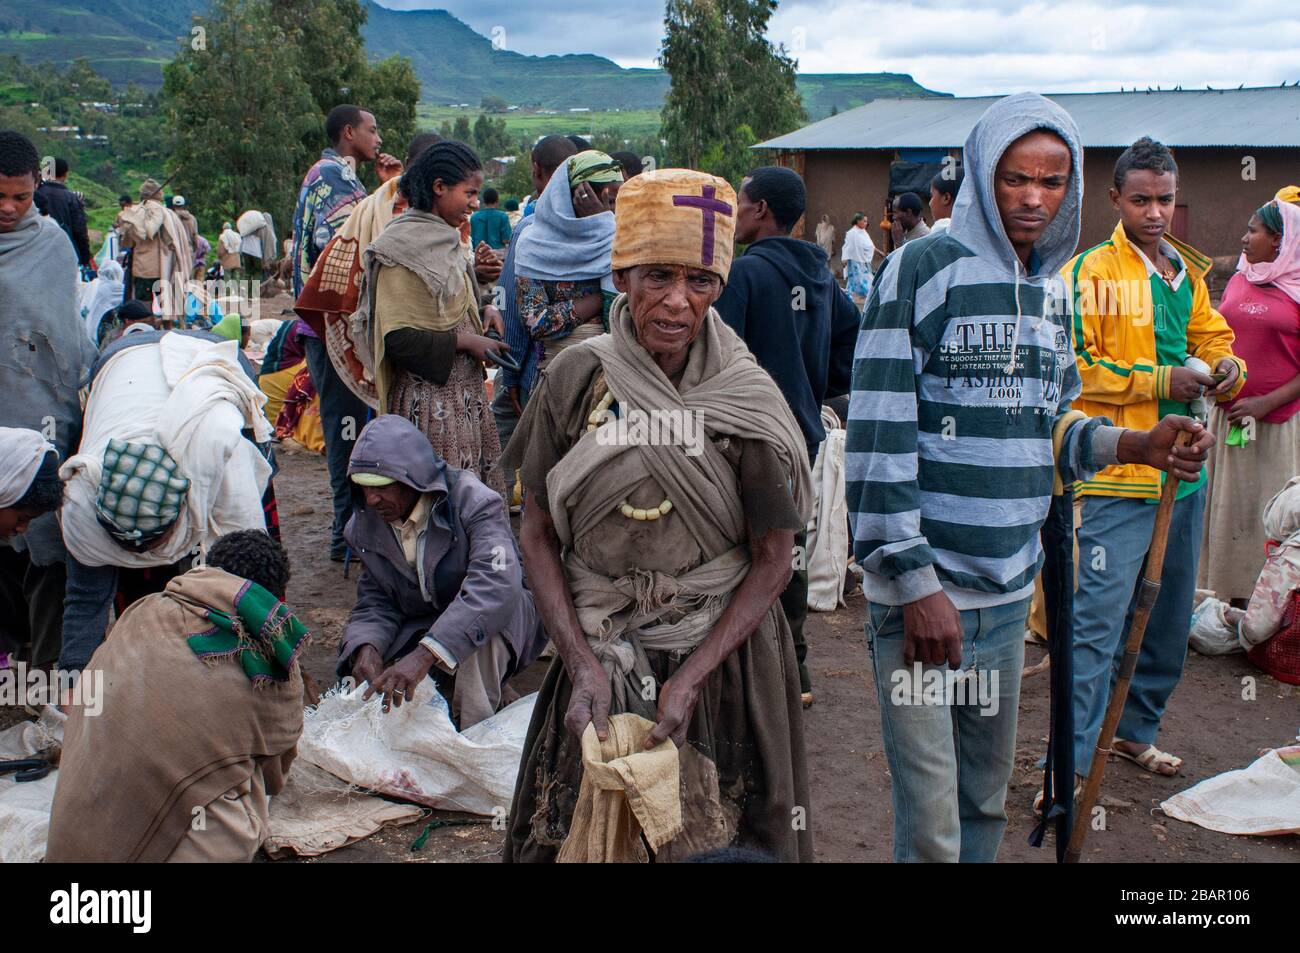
{"x": 631, "y": 123}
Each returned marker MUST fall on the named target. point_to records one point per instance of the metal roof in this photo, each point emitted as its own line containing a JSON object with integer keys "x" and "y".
{"x": 1254, "y": 117}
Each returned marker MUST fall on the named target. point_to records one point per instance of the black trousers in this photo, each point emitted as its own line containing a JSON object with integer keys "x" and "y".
{"x": 31, "y": 607}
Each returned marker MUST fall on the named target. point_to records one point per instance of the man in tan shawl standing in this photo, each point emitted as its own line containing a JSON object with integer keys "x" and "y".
{"x": 665, "y": 479}
{"x": 162, "y": 255}
{"x": 199, "y": 719}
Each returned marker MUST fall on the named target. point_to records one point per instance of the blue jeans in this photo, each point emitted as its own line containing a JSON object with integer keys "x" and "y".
{"x": 1114, "y": 534}
{"x": 342, "y": 415}
{"x": 950, "y": 752}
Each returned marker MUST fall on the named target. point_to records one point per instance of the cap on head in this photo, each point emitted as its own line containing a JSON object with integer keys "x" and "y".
{"x": 675, "y": 217}
{"x": 372, "y": 479}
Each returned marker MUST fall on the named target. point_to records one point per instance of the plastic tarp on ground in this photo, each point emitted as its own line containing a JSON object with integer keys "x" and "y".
{"x": 1263, "y": 799}
{"x": 414, "y": 752}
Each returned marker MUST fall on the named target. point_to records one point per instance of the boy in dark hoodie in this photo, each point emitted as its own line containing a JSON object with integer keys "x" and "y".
{"x": 782, "y": 300}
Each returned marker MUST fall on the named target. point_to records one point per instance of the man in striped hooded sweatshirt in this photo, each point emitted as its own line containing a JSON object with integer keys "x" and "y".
{"x": 959, "y": 427}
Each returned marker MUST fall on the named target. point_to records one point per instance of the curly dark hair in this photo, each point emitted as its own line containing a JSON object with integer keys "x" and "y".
{"x": 1147, "y": 154}
{"x": 18, "y": 156}
{"x": 45, "y": 494}
{"x": 450, "y": 161}
{"x": 251, "y": 554}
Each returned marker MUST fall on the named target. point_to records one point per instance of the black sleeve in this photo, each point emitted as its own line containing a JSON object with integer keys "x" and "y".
{"x": 846, "y": 321}
{"x": 79, "y": 237}
{"x": 426, "y": 354}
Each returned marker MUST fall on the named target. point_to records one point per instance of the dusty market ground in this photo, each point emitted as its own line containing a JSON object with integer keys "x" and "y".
{"x": 1208, "y": 724}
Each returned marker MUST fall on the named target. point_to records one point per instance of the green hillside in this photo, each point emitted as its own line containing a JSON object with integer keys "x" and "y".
{"x": 129, "y": 40}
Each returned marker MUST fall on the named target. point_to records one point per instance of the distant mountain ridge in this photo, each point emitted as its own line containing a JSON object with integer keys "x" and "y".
{"x": 130, "y": 40}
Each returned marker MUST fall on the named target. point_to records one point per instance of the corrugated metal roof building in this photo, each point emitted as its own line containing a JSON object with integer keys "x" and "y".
{"x": 1234, "y": 148}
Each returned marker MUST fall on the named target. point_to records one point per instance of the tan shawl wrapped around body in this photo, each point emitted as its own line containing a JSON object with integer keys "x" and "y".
{"x": 175, "y": 732}
{"x": 734, "y": 397}
{"x": 429, "y": 248}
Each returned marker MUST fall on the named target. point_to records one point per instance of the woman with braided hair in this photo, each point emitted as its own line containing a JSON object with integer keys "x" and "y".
{"x": 419, "y": 314}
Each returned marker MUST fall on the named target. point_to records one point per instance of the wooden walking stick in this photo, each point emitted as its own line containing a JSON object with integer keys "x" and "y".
{"x": 1147, "y": 594}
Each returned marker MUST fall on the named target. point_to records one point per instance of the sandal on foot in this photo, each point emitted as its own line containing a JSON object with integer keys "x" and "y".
{"x": 1078, "y": 793}
{"x": 1152, "y": 759}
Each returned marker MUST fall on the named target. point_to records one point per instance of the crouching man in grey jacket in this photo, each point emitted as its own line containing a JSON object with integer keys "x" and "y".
{"x": 442, "y": 591}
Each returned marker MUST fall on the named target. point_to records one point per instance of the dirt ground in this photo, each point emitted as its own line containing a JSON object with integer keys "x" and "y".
{"x": 1208, "y": 725}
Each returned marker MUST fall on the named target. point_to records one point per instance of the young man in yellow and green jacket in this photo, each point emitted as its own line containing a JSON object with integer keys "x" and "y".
{"x": 1140, "y": 309}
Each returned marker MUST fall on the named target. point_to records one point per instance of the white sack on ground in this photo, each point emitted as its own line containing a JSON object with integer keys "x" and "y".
{"x": 192, "y": 398}
{"x": 415, "y": 753}
{"x": 25, "y": 808}
{"x": 316, "y": 813}
{"x": 1262, "y": 799}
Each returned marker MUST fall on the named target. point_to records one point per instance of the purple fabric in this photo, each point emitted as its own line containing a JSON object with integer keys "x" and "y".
{"x": 710, "y": 206}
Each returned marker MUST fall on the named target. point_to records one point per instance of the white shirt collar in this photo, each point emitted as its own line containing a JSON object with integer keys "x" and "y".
{"x": 1172, "y": 255}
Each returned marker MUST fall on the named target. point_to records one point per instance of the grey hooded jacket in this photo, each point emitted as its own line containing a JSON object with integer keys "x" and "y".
{"x": 963, "y": 371}
{"x": 474, "y": 586}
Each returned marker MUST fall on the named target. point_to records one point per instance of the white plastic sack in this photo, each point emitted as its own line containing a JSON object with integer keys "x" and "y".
{"x": 828, "y": 534}
{"x": 25, "y": 808}
{"x": 415, "y": 753}
{"x": 1262, "y": 800}
{"x": 1210, "y": 633}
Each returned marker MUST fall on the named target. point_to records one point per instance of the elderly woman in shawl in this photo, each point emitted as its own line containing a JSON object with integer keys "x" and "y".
{"x": 419, "y": 315}
{"x": 562, "y": 272}
{"x": 1259, "y": 446}
{"x": 657, "y": 563}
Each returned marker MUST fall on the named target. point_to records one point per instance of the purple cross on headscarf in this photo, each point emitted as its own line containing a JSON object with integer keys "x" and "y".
{"x": 710, "y": 206}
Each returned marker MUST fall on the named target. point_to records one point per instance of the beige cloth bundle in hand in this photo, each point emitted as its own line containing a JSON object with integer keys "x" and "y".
{"x": 626, "y": 791}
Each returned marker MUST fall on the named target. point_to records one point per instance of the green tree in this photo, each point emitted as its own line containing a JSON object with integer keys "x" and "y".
{"x": 461, "y": 131}
{"x": 490, "y": 137}
{"x": 494, "y": 104}
{"x": 730, "y": 86}
{"x": 391, "y": 91}
{"x": 240, "y": 114}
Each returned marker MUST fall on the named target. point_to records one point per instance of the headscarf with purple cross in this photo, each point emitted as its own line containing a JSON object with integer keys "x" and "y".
{"x": 675, "y": 217}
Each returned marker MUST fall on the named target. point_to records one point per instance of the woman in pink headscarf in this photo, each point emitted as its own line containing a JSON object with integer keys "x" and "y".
{"x": 1258, "y": 449}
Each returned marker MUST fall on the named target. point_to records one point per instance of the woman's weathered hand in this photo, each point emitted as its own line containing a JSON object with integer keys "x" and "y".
{"x": 677, "y": 700}
{"x": 589, "y": 700}
{"x": 493, "y": 321}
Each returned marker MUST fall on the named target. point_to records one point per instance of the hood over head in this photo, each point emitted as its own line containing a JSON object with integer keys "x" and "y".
{"x": 393, "y": 447}
{"x": 975, "y": 219}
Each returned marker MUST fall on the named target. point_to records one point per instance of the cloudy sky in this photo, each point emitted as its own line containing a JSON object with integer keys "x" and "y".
{"x": 967, "y": 47}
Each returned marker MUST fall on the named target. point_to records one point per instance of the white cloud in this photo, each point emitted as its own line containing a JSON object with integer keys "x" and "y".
{"x": 967, "y": 47}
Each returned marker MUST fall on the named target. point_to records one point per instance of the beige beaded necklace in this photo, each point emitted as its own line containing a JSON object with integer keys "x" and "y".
{"x": 594, "y": 420}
